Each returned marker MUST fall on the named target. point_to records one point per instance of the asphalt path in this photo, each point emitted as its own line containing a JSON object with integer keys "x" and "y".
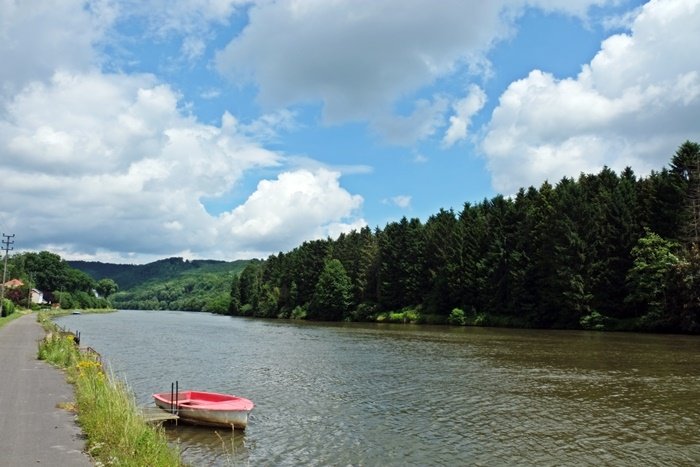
{"x": 33, "y": 429}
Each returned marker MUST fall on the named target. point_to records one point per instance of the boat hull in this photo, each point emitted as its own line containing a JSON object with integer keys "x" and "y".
{"x": 209, "y": 409}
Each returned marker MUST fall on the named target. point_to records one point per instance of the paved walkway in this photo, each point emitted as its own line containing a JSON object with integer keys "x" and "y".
{"x": 33, "y": 431}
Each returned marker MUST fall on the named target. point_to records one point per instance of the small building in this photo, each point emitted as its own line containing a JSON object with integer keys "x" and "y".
{"x": 37, "y": 296}
{"x": 13, "y": 284}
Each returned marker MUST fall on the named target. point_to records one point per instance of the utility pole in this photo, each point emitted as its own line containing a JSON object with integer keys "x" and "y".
{"x": 6, "y": 245}
{"x": 30, "y": 287}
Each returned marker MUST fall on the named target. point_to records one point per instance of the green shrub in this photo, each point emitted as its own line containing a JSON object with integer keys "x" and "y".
{"x": 595, "y": 321}
{"x": 247, "y": 310}
{"x": 407, "y": 315}
{"x": 365, "y": 312}
{"x": 299, "y": 313}
{"x": 7, "y": 307}
{"x": 481, "y": 319}
{"x": 457, "y": 317}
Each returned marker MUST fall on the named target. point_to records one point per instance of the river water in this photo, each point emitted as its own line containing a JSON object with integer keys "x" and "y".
{"x": 372, "y": 394}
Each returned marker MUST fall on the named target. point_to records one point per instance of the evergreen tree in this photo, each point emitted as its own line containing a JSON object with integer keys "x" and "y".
{"x": 402, "y": 280}
{"x": 234, "y": 307}
{"x": 333, "y": 293}
{"x": 683, "y": 302}
{"x": 249, "y": 287}
{"x": 469, "y": 279}
{"x": 442, "y": 261}
{"x": 685, "y": 166}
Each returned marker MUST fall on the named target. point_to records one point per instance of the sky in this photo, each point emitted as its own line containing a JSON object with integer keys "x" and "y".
{"x": 135, "y": 130}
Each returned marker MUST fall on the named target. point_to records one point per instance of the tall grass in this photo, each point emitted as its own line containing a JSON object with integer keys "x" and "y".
{"x": 116, "y": 432}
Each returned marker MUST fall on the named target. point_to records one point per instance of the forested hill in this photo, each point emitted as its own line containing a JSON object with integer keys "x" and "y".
{"x": 604, "y": 251}
{"x": 128, "y": 276}
{"x": 169, "y": 284}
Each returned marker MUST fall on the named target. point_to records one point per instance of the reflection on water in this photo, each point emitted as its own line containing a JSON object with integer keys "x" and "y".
{"x": 207, "y": 446}
{"x": 361, "y": 394}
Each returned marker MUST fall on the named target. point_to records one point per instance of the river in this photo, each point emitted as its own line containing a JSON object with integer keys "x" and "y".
{"x": 373, "y": 394}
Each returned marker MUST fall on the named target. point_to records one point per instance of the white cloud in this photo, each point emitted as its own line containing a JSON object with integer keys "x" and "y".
{"x": 296, "y": 206}
{"x": 422, "y": 123}
{"x": 402, "y": 201}
{"x": 193, "y": 47}
{"x": 268, "y": 126}
{"x": 108, "y": 163}
{"x": 464, "y": 110}
{"x": 191, "y": 18}
{"x": 37, "y": 38}
{"x": 358, "y": 62}
{"x": 634, "y": 104}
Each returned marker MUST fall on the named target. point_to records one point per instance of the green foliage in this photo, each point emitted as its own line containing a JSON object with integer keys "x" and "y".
{"x": 365, "y": 312}
{"x": 8, "y": 307}
{"x": 107, "y": 413}
{"x": 234, "y": 307}
{"x": 457, "y": 317}
{"x": 595, "y": 322}
{"x": 298, "y": 313}
{"x": 407, "y": 315}
{"x": 683, "y": 294}
{"x": 131, "y": 276}
{"x": 333, "y": 295}
{"x": 49, "y": 272}
{"x": 6, "y": 319}
{"x": 203, "y": 288}
{"x": 653, "y": 259}
{"x": 564, "y": 256}
{"x": 106, "y": 287}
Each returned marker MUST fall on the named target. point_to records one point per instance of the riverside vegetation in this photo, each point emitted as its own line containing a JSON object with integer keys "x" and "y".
{"x": 116, "y": 433}
{"x": 605, "y": 251}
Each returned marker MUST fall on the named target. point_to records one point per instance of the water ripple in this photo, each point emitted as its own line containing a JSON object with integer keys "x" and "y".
{"x": 406, "y": 395}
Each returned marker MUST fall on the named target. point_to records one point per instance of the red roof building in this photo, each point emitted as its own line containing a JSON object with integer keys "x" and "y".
{"x": 11, "y": 284}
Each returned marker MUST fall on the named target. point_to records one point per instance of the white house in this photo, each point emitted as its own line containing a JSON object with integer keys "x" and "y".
{"x": 37, "y": 296}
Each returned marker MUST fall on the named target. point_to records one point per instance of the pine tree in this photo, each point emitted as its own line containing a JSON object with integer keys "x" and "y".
{"x": 333, "y": 293}
{"x": 234, "y": 307}
{"x": 685, "y": 166}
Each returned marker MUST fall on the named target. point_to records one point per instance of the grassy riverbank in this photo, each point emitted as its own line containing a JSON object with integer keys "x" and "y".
{"x": 107, "y": 413}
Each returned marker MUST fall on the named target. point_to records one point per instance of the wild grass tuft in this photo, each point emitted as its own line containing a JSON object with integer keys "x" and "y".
{"x": 107, "y": 412}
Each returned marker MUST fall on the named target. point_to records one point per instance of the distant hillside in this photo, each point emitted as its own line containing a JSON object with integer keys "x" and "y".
{"x": 128, "y": 276}
{"x": 168, "y": 284}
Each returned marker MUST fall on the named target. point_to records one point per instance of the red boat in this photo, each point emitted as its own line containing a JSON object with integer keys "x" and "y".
{"x": 207, "y": 408}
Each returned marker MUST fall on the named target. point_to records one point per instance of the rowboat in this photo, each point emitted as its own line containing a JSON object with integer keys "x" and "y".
{"x": 207, "y": 408}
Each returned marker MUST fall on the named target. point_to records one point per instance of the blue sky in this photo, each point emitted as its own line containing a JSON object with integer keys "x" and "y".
{"x": 136, "y": 130}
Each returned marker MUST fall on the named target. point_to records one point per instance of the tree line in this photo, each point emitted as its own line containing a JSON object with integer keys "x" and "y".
{"x": 604, "y": 251}
{"x": 61, "y": 284}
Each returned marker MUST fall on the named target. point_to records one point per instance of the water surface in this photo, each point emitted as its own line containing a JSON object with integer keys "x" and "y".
{"x": 371, "y": 394}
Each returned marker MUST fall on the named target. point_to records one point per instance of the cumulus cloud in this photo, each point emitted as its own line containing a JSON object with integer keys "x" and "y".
{"x": 112, "y": 166}
{"x": 37, "y": 38}
{"x": 357, "y": 62}
{"x": 297, "y": 206}
{"x": 464, "y": 110}
{"x": 190, "y": 18}
{"x": 122, "y": 169}
{"x": 633, "y": 104}
{"x": 109, "y": 161}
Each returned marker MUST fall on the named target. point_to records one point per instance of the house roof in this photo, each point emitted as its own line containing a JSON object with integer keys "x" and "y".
{"x": 13, "y": 283}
